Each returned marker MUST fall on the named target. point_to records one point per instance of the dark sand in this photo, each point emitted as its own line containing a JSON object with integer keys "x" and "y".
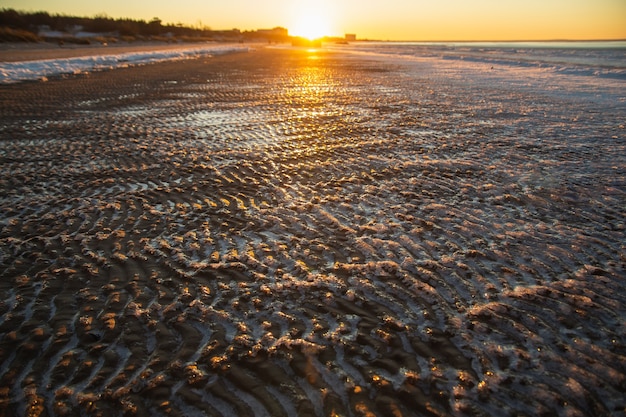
{"x": 282, "y": 233}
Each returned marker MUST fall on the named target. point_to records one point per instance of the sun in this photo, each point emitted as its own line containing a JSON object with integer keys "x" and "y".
{"x": 310, "y": 22}
{"x": 310, "y": 27}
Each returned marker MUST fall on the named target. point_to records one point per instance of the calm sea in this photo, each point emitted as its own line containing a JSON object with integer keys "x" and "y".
{"x": 595, "y": 58}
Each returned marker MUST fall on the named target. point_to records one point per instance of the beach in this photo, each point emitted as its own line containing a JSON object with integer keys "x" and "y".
{"x": 284, "y": 231}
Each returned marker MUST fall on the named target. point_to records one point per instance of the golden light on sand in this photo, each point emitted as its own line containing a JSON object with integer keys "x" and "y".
{"x": 311, "y": 22}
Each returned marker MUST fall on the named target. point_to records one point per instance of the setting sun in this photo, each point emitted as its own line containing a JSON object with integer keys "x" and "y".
{"x": 310, "y": 22}
{"x": 370, "y": 19}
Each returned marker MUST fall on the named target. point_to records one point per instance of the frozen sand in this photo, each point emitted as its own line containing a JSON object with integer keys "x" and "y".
{"x": 39, "y": 62}
{"x": 284, "y": 233}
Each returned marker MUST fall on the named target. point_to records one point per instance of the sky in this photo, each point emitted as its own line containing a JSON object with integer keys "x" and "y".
{"x": 372, "y": 19}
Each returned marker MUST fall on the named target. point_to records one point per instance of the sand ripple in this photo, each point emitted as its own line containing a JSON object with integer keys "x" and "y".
{"x": 274, "y": 235}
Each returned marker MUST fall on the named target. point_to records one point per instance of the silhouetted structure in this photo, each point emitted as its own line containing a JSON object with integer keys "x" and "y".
{"x": 18, "y": 26}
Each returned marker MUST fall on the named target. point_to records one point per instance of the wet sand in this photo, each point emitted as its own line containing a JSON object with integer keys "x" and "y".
{"x": 280, "y": 233}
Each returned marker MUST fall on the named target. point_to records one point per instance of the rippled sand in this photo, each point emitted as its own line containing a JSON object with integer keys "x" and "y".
{"x": 285, "y": 233}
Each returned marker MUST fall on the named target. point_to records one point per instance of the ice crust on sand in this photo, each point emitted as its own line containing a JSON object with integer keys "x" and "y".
{"x": 300, "y": 230}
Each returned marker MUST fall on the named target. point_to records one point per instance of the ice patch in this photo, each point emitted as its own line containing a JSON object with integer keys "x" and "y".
{"x": 12, "y": 72}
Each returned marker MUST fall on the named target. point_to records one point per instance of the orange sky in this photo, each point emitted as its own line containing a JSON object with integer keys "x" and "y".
{"x": 374, "y": 19}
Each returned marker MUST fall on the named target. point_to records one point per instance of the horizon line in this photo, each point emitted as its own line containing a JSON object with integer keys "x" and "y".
{"x": 483, "y": 40}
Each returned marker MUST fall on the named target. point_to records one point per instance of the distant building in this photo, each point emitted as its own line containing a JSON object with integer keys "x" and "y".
{"x": 279, "y": 32}
{"x": 350, "y": 37}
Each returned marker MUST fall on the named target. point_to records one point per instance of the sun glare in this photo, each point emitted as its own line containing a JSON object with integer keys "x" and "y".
{"x": 310, "y": 23}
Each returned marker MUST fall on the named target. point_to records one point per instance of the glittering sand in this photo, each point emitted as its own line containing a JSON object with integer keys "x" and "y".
{"x": 286, "y": 232}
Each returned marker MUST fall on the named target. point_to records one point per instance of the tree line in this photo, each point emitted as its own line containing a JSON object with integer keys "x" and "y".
{"x": 25, "y": 27}
{"x": 33, "y": 21}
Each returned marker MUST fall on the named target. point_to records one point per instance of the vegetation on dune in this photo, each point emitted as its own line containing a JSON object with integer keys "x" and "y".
{"x": 8, "y": 34}
{"x": 17, "y": 26}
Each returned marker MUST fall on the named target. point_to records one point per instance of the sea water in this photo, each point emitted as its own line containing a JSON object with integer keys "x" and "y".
{"x": 596, "y": 58}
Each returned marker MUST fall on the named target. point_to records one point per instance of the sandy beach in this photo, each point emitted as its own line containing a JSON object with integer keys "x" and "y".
{"x": 287, "y": 232}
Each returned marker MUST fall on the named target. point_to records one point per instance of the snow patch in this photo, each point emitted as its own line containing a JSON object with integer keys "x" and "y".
{"x": 13, "y": 72}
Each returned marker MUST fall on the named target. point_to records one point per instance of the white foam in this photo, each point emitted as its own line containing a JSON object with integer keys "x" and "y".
{"x": 12, "y": 72}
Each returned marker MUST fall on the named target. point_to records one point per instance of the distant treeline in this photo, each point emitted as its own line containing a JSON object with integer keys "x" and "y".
{"x": 26, "y": 26}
